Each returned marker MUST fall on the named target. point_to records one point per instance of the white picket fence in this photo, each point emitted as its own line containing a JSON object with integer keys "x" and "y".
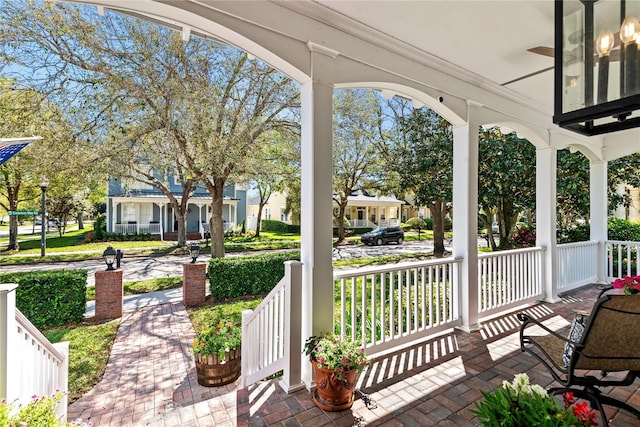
{"x": 29, "y": 363}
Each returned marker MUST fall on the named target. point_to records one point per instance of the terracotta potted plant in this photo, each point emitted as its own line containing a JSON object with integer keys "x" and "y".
{"x": 336, "y": 361}
{"x": 217, "y": 352}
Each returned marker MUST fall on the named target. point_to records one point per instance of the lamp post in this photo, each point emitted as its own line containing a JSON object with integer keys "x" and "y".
{"x": 109, "y": 256}
{"x": 194, "y": 251}
{"x": 43, "y": 183}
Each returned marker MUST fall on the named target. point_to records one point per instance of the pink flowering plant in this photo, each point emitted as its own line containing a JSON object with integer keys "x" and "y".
{"x": 628, "y": 284}
{"x": 336, "y": 353}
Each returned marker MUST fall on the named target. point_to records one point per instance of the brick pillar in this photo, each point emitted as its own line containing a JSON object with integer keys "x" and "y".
{"x": 108, "y": 294}
{"x": 194, "y": 283}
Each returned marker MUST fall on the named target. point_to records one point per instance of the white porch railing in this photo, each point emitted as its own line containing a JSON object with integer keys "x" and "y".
{"x": 204, "y": 228}
{"x": 622, "y": 259}
{"x": 393, "y": 222}
{"x": 29, "y": 363}
{"x": 144, "y": 228}
{"x": 359, "y": 223}
{"x": 577, "y": 265}
{"x": 271, "y": 334}
{"x": 508, "y": 279}
{"x": 395, "y": 304}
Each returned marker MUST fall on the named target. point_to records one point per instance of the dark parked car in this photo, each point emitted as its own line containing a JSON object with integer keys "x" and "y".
{"x": 383, "y": 235}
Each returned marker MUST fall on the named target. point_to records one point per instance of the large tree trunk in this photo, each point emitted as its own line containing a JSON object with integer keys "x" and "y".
{"x": 80, "y": 221}
{"x": 217, "y": 224}
{"x": 506, "y": 220}
{"x": 259, "y": 219}
{"x": 13, "y": 233}
{"x": 340, "y": 222}
{"x": 180, "y": 212}
{"x": 438, "y": 214}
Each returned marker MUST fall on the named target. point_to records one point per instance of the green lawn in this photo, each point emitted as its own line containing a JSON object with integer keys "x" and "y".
{"x": 89, "y": 348}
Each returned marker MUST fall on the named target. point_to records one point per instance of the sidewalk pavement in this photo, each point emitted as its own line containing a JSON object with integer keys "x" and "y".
{"x": 138, "y": 301}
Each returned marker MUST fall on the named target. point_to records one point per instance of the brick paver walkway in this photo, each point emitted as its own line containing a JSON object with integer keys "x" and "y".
{"x": 150, "y": 378}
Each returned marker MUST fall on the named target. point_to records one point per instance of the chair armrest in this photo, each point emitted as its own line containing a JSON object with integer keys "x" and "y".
{"x": 528, "y": 321}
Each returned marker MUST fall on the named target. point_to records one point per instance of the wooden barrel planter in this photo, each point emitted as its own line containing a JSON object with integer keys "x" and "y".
{"x": 214, "y": 372}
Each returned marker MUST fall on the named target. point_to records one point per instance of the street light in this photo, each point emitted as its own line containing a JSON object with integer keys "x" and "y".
{"x": 43, "y": 183}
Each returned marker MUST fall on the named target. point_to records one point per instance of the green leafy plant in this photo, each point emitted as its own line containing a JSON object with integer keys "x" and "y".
{"x": 218, "y": 340}
{"x": 336, "y": 353}
{"x": 41, "y": 411}
{"x": 520, "y": 403}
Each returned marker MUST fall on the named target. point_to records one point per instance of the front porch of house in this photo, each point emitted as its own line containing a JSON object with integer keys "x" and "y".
{"x": 145, "y": 215}
{"x": 433, "y": 383}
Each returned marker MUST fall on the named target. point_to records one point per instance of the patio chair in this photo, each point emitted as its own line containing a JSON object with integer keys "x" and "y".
{"x": 609, "y": 343}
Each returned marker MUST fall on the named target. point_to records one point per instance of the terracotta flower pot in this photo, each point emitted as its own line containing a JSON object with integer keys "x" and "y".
{"x": 213, "y": 372}
{"x": 332, "y": 394}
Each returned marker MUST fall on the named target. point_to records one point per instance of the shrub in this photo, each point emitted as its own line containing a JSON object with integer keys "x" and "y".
{"x": 248, "y": 275}
{"x": 620, "y": 229}
{"x": 429, "y": 222}
{"x": 524, "y": 237}
{"x": 100, "y": 227}
{"x": 50, "y": 298}
{"x": 448, "y": 223}
{"x": 278, "y": 226}
{"x": 573, "y": 233}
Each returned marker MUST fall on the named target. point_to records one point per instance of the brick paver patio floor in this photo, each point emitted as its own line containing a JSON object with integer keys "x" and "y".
{"x": 151, "y": 380}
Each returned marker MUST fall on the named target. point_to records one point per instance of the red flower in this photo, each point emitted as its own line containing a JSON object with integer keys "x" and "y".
{"x": 568, "y": 398}
{"x": 585, "y": 414}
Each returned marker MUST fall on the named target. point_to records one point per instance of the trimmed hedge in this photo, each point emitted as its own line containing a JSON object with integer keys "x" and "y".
{"x": 248, "y": 275}
{"x": 50, "y": 298}
{"x": 278, "y": 226}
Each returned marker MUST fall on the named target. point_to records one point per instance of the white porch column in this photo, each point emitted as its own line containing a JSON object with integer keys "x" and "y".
{"x": 546, "y": 172}
{"x": 465, "y": 216}
{"x": 114, "y": 216}
{"x": 316, "y": 215}
{"x": 598, "y": 212}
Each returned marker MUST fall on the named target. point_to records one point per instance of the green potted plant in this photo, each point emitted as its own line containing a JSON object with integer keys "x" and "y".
{"x": 519, "y": 404}
{"x": 217, "y": 352}
{"x": 336, "y": 361}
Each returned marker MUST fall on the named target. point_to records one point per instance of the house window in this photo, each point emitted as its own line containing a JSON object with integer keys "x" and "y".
{"x": 267, "y": 213}
{"x": 283, "y": 215}
{"x": 421, "y": 214}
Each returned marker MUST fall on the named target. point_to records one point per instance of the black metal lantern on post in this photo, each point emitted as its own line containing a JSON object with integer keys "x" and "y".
{"x": 194, "y": 252}
{"x": 109, "y": 256}
{"x": 597, "y": 69}
{"x": 43, "y": 184}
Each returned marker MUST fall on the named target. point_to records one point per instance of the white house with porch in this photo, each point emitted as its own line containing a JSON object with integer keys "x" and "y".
{"x": 476, "y": 63}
